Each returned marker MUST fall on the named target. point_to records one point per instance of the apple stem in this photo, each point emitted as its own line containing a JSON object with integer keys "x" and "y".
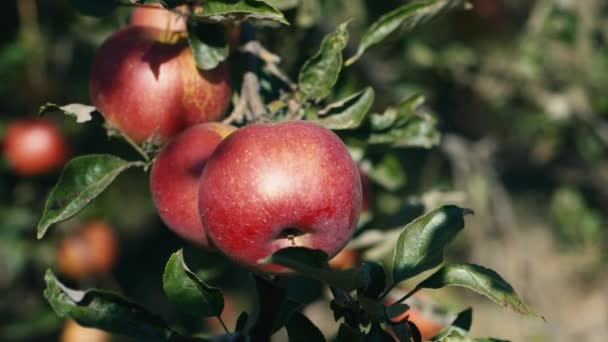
{"x": 219, "y": 318}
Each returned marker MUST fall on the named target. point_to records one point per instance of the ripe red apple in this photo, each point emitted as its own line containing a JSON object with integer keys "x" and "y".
{"x": 176, "y": 174}
{"x": 145, "y": 84}
{"x": 347, "y": 258}
{"x": 155, "y": 16}
{"x": 270, "y": 186}
{"x": 73, "y": 332}
{"x": 34, "y": 147}
{"x": 92, "y": 251}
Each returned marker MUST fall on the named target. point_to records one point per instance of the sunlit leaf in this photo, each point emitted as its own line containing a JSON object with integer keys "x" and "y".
{"x": 481, "y": 280}
{"x": 239, "y": 10}
{"x": 405, "y": 18}
{"x": 320, "y": 73}
{"x": 187, "y": 292}
{"x": 421, "y": 243}
{"x": 347, "y": 113}
{"x": 83, "y": 179}
{"x": 104, "y": 310}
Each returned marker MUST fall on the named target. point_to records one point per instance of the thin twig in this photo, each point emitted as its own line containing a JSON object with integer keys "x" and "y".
{"x": 271, "y": 61}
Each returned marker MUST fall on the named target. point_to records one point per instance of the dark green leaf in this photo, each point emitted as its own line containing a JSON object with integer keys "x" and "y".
{"x": 481, "y": 280}
{"x": 82, "y": 113}
{"x": 348, "y": 334}
{"x": 83, "y": 179}
{"x": 377, "y": 334}
{"x": 266, "y": 315}
{"x": 374, "y": 309}
{"x": 187, "y": 292}
{"x": 241, "y": 322}
{"x": 301, "y": 329}
{"x": 402, "y": 330}
{"x": 414, "y": 331}
{"x": 288, "y": 308}
{"x": 208, "y": 45}
{"x": 320, "y": 73}
{"x": 464, "y": 319}
{"x": 406, "y": 125}
{"x": 406, "y": 17}
{"x": 420, "y": 245}
{"x": 347, "y": 113}
{"x": 377, "y": 279}
{"x": 313, "y": 264}
{"x": 239, "y": 10}
{"x": 104, "y": 310}
{"x": 396, "y": 310}
{"x": 94, "y": 8}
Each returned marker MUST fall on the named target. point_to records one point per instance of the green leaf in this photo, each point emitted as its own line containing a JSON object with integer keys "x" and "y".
{"x": 239, "y": 10}
{"x": 104, "y": 310}
{"x": 208, "y": 45}
{"x": 313, "y": 264}
{"x": 267, "y": 315}
{"x": 377, "y": 334}
{"x": 406, "y": 125}
{"x": 454, "y": 336}
{"x": 187, "y": 292}
{"x": 377, "y": 279}
{"x": 374, "y": 309}
{"x": 464, "y": 319}
{"x": 301, "y": 329}
{"x": 94, "y": 8}
{"x": 320, "y": 73}
{"x": 388, "y": 173}
{"x": 348, "y": 334}
{"x": 82, "y": 180}
{"x": 406, "y": 17}
{"x": 82, "y": 113}
{"x": 347, "y": 113}
{"x": 420, "y": 245}
{"x": 462, "y": 324}
{"x": 481, "y": 280}
{"x": 396, "y": 310}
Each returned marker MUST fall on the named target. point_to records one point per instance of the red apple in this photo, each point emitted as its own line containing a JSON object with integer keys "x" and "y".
{"x": 155, "y": 16}
{"x": 270, "y": 186}
{"x": 145, "y": 84}
{"x": 91, "y": 251}
{"x": 73, "y": 332}
{"x": 176, "y": 174}
{"x": 34, "y": 147}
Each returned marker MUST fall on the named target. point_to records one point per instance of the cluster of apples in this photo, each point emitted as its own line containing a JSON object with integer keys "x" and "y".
{"x": 247, "y": 192}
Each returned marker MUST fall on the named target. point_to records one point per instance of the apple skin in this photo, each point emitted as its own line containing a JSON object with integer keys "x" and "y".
{"x": 145, "y": 86}
{"x": 176, "y": 174}
{"x": 155, "y": 16}
{"x": 271, "y": 186}
{"x": 33, "y": 147}
{"x": 91, "y": 251}
{"x": 73, "y": 332}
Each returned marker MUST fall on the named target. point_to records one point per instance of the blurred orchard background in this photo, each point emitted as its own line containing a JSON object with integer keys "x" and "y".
{"x": 518, "y": 91}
